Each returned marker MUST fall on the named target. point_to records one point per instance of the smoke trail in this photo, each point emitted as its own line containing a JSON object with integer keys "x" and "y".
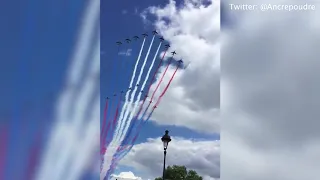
{"x": 104, "y": 119}
{"x": 145, "y": 98}
{"x": 161, "y": 78}
{"x": 64, "y": 101}
{"x": 166, "y": 88}
{"x": 87, "y": 91}
{"x": 114, "y": 120}
{"x": 125, "y": 105}
{"x": 103, "y": 130}
{"x": 143, "y": 85}
{"x": 164, "y": 73}
{"x": 84, "y": 154}
{"x": 149, "y": 116}
{"x": 132, "y": 109}
{"x": 127, "y": 110}
{"x": 141, "y": 106}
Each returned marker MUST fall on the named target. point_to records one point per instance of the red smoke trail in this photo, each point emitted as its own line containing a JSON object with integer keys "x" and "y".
{"x": 3, "y": 150}
{"x": 161, "y": 78}
{"x": 114, "y": 121}
{"x": 117, "y": 112}
{"x": 165, "y": 90}
{"x": 104, "y": 120}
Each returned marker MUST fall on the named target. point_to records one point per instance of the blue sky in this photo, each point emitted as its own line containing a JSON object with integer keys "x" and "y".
{"x": 36, "y": 43}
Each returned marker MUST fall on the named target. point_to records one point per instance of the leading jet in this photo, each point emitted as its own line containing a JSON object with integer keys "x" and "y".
{"x": 173, "y": 53}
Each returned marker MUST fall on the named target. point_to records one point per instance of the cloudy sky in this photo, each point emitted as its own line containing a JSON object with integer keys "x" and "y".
{"x": 267, "y": 118}
{"x": 269, "y": 86}
{"x": 194, "y": 94}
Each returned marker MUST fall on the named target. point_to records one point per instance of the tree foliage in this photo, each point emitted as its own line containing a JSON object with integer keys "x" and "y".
{"x": 180, "y": 173}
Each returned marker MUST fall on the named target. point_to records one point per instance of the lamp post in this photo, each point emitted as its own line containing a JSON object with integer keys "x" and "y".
{"x": 165, "y": 139}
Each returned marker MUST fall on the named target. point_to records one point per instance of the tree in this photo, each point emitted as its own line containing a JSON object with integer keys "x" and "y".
{"x": 180, "y": 173}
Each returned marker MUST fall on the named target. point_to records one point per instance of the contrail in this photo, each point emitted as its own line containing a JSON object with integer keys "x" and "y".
{"x": 102, "y": 174}
{"x": 133, "y": 107}
{"x": 64, "y": 101}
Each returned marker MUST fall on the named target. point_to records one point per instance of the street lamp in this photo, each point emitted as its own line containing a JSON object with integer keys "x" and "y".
{"x": 165, "y": 139}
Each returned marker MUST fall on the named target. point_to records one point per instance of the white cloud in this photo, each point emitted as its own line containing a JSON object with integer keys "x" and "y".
{"x": 202, "y": 156}
{"x": 125, "y": 176}
{"x": 126, "y": 52}
{"x": 193, "y": 31}
{"x": 270, "y": 96}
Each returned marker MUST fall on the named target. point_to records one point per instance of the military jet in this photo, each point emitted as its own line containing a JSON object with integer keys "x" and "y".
{"x": 119, "y": 43}
{"x": 154, "y": 32}
{"x": 173, "y": 53}
{"x": 128, "y": 40}
{"x": 161, "y": 39}
{"x": 135, "y": 37}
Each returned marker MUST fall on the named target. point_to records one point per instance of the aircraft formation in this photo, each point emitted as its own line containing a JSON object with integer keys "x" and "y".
{"x": 128, "y": 109}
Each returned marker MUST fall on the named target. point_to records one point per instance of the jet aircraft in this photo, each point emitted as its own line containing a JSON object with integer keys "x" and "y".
{"x": 119, "y": 43}
{"x": 161, "y": 39}
{"x": 128, "y": 40}
{"x": 145, "y": 34}
{"x": 154, "y": 32}
{"x": 135, "y": 37}
{"x": 173, "y": 53}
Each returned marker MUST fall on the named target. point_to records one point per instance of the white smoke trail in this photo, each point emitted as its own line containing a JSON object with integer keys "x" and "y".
{"x": 117, "y": 139}
{"x": 82, "y": 104}
{"x": 128, "y": 92}
{"x": 129, "y": 110}
{"x": 136, "y": 103}
{"x": 86, "y": 150}
{"x": 64, "y": 102}
{"x": 139, "y": 96}
{"x": 122, "y": 111}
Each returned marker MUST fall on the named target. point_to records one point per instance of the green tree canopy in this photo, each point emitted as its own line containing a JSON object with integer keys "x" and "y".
{"x": 180, "y": 173}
